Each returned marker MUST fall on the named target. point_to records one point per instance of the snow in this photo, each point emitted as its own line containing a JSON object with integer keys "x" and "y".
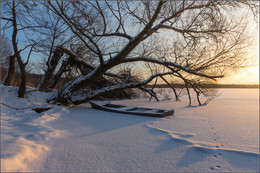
{"x": 22, "y": 131}
{"x": 220, "y": 137}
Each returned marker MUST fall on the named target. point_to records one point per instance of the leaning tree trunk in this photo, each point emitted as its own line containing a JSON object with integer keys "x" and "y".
{"x": 43, "y": 85}
{"x": 54, "y": 79}
{"x": 10, "y": 74}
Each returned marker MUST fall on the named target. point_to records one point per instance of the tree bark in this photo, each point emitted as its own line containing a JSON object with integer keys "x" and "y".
{"x": 10, "y": 74}
{"x": 48, "y": 74}
{"x": 55, "y": 79}
{"x": 22, "y": 86}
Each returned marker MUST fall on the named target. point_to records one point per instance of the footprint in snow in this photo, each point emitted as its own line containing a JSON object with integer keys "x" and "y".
{"x": 217, "y": 166}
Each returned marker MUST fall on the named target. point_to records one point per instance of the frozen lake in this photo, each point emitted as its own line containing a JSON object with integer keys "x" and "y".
{"x": 220, "y": 137}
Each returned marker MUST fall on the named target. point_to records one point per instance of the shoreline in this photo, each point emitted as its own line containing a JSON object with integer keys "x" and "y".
{"x": 232, "y": 86}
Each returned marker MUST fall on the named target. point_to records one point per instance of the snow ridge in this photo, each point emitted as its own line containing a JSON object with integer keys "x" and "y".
{"x": 23, "y": 131}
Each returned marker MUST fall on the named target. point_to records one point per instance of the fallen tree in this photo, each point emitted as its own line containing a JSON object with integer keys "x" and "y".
{"x": 205, "y": 45}
{"x": 159, "y": 41}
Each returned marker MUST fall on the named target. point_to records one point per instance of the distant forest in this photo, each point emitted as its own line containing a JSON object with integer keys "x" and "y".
{"x": 210, "y": 86}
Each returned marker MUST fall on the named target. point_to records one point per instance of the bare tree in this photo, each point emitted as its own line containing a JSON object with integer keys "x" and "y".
{"x": 7, "y": 55}
{"x": 6, "y": 50}
{"x": 33, "y": 29}
{"x": 205, "y": 37}
{"x": 88, "y": 42}
{"x": 12, "y": 15}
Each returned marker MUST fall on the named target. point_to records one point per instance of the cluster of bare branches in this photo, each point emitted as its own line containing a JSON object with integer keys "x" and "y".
{"x": 185, "y": 41}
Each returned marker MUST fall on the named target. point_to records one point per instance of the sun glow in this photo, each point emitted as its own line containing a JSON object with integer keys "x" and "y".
{"x": 245, "y": 76}
{"x": 249, "y": 75}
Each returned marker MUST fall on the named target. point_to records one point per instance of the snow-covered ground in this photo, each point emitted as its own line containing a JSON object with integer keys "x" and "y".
{"x": 222, "y": 136}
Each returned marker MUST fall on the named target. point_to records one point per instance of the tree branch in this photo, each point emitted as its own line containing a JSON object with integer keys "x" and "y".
{"x": 188, "y": 30}
{"x": 169, "y": 63}
{"x": 98, "y": 92}
{"x": 4, "y": 18}
{"x": 115, "y": 34}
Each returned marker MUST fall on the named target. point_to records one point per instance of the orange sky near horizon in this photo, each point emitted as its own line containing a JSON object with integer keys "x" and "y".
{"x": 248, "y": 75}
{"x": 244, "y": 76}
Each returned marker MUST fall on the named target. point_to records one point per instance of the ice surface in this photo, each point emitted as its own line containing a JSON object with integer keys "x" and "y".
{"x": 220, "y": 137}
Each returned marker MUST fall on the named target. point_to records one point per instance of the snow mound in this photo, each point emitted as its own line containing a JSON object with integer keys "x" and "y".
{"x": 23, "y": 130}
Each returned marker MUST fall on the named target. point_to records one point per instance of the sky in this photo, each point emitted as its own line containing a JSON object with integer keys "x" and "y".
{"x": 244, "y": 76}
{"x": 248, "y": 75}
